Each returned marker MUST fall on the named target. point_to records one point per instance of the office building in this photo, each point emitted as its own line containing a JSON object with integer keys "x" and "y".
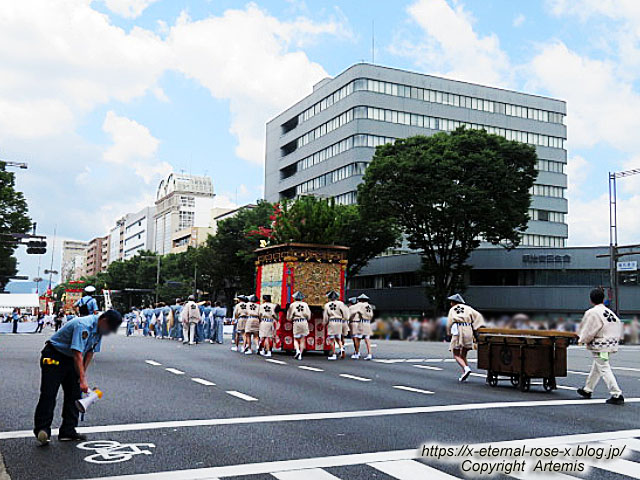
{"x": 138, "y": 232}
{"x": 95, "y": 261}
{"x": 323, "y": 144}
{"x": 116, "y": 240}
{"x": 73, "y": 260}
{"x": 182, "y": 201}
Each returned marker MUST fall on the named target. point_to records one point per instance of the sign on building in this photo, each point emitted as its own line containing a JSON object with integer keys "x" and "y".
{"x": 628, "y": 266}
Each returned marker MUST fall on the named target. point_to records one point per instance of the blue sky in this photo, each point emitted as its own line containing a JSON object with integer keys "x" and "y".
{"x": 104, "y": 97}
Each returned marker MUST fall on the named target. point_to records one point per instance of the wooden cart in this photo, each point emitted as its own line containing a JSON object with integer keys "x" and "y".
{"x": 523, "y": 355}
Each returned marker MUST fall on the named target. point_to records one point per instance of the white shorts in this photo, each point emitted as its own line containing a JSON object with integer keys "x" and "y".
{"x": 299, "y": 336}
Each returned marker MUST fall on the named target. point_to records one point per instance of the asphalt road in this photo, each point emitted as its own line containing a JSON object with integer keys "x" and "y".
{"x": 176, "y": 412}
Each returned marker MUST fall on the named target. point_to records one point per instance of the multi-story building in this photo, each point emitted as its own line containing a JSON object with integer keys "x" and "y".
{"x": 323, "y": 144}
{"x": 138, "y": 232}
{"x": 116, "y": 240}
{"x": 73, "y": 259}
{"x": 182, "y": 201}
{"x": 189, "y": 237}
{"x": 105, "y": 253}
{"x": 95, "y": 252}
{"x": 229, "y": 213}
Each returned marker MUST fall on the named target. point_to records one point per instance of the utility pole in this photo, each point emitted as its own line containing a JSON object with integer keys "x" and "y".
{"x": 157, "y": 280}
{"x": 613, "y": 234}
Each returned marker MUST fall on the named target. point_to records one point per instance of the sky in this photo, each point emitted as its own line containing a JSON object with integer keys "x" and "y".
{"x": 104, "y": 98}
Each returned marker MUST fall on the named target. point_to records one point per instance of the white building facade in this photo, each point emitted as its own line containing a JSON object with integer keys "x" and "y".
{"x": 139, "y": 231}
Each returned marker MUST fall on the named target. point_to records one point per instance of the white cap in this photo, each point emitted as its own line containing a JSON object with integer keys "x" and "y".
{"x": 90, "y": 289}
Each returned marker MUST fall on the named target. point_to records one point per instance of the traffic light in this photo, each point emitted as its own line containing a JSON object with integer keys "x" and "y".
{"x": 35, "y": 247}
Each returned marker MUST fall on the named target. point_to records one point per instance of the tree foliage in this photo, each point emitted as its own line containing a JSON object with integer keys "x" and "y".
{"x": 13, "y": 219}
{"x": 447, "y": 192}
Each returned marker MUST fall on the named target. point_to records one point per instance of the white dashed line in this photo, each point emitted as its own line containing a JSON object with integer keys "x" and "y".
{"x": 273, "y": 360}
{"x": 428, "y": 367}
{"x": 153, "y": 362}
{"x": 353, "y": 377}
{"x": 202, "y": 381}
{"x": 176, "y": 371}
{"x": 311, "y": 369}
{"x": 242, "y": 396}
{"x": 411, "y": 389}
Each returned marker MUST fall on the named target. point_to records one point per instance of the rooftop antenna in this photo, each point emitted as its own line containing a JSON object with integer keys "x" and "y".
{"x": 373, "y": 42}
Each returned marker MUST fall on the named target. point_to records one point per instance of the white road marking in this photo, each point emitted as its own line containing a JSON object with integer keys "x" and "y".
{"x": 411, "y": 389}
{"x": 273, "y": 360}
{"x": 449, "y": 360}
{"x": 410, "y": 470}
{"x": 428, "y": 367}
{"x": 203, "y": 382}
{"x": 377, "y": 460}
{"x": 586, "y": 374}
{"x": 307, "y": 474}
{"x": 415, "y": 360}
{"x": 241, "y": 395}
{"x": 174, "y": 370}
{"x": 354, "y": 377}
{"x": 311, "y": 369}
{"x": 304, "y": 417}
{"x": 434, "y": 360}
{"x": 153, "y": 362}
{"x": 626, "y": 369}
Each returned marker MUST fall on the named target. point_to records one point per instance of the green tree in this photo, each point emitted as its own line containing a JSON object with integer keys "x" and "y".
{"x": 447, "y": 192}
{"x": 13, "y": 219}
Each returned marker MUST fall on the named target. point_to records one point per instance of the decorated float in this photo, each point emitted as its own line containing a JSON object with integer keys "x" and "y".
{"x": 283, "y": 269}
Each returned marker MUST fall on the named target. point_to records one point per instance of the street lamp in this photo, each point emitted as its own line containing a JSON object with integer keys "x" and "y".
{"x": 21, "y": 165}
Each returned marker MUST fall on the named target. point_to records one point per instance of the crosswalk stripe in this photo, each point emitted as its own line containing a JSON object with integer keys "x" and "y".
{"x": 307, "y": 474}
{"x": 273, "y": 360}
{"x": 626, "y": 369}
{"x": 410, "y": 470}
{"x": 434, "y": 360}
{"x": 174, "y": 370}
{"x": 311, "y": 369}
{"x": 411, "y": 389}
{"x": 542, "y": 476}
{"x": 428, "y": 367}
{"x": 354, "y": 377}
{"x": 153, "y": 362}
{"x": 415, "y": 360}
{"x": 578, "y": 373}
{"x": 620, "y": 466}
{"x": 241, "y": 395}
{"x": 630, "y": 443}
{"x": 202, "y": 381}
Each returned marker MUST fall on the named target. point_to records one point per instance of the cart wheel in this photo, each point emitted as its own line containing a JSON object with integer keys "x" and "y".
{"x": 515, "y": 380}
{"x": 492, "y": 379}
{"x": 525, "y": 384}
{"x": 549, "y": 384}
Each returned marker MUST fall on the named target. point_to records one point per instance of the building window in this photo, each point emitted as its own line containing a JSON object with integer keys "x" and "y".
{"x": 548, "y": 191}
{"x": 187, "y": 220}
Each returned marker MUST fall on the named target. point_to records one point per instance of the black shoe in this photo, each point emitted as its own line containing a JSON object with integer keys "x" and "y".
{"x": 72, "y": 437}
{"x": 583, "y": 393}
{"x": 43, "y": 438}
{"x": 619, "y": 400}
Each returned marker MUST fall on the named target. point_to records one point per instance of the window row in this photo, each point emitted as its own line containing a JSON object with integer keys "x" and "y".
{"x": 340, "y": 147}
{"x": 531, "y": 240}
{"x": 550, "y": 166}
{"x": 326, "y": 102}
{"x": 547, "y": 216}
{"x": 325, "y": 128}
{"x": 348, "y": 198}
{"x": 548, "y": 191}
{"x": 462, "y": 101}
{"x": 434, "y": 123}
{"x": 334, "y": 176}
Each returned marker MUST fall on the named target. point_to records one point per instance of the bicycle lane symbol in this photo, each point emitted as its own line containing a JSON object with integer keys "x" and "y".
{"x": 110, "y": 451}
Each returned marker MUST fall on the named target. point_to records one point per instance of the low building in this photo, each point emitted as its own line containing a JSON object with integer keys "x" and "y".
{"x": 189, "y": 237}
{"x": 538, "y": 281}
{"x": 232, "y": 213}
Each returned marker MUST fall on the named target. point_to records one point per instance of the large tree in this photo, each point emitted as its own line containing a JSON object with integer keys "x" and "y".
{"x": 449, "y": 191}
{"x": 13, "y": 219}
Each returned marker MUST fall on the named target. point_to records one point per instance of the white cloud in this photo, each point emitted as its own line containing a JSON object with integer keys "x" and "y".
{"x": 519, "y": 20}
{"x": 450, "y": 45}
{"x": 246, "y": 56}
{"x": 128, "y": 8}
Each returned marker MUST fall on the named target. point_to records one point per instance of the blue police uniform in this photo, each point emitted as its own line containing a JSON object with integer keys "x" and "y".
{"x": 218, "y": 314}
{"x": 89, "y": 302}
{"x": 56, "y": 363}
{"x": 147, "y": 313}
{"x": 200, "y": 327}
{"x": 177, "y": 324}
{"x": 208, "y": 331}
{"x": 131, "y": 322}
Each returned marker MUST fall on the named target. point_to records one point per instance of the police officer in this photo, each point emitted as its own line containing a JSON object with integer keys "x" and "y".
{"x": 87, "y": 305}
{"x": 64, "y": 362}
